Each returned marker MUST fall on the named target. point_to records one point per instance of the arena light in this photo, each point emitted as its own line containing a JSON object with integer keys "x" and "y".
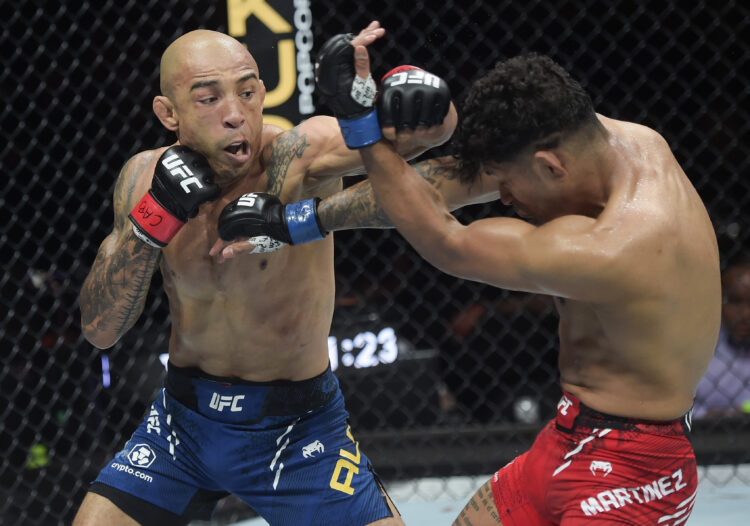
{"x": 105, "y": 371}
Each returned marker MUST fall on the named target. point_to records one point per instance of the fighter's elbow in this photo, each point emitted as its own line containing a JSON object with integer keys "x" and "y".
{"x": 447, "y": 255}
{"x": 98, "y": 338}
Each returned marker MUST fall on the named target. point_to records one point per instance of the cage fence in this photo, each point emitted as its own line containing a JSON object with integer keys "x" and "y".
{"x": 442, "y": 376}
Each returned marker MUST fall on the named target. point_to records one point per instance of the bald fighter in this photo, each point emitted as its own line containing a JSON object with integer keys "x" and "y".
{"x": 250, "y": 405}
{"x": 614, "y": 230}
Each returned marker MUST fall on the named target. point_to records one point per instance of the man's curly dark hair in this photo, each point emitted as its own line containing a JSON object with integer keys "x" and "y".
{"x": 521, "y": 103}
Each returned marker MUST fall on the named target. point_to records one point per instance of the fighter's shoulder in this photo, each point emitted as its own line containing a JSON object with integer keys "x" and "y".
{"x": 135, "y": 178}
{"x": 640, "y": 133}
{"x": 141, "y": 164}
{"x": 301, "y": 141}
{"x": 606, "y": 236}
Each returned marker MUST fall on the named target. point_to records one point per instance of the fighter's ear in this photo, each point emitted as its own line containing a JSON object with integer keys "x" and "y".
{"x": 262, "y": 92}
{"x": 550, "y": 163}
{"x": 166, "y": 112}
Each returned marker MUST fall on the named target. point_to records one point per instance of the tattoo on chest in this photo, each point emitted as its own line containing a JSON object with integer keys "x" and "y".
{"x": 284, "y": 151}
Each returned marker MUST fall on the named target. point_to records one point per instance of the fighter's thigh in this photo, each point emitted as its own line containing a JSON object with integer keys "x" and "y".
{"x": 480, "y": 510}
{"x": 96, "y": 510}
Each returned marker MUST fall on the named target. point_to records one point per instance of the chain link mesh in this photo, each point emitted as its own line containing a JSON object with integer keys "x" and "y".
{"x": 476, "y": 367}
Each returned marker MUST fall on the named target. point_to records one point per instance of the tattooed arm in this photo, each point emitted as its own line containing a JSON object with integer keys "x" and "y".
{"x": 114, "y": 292}
{"x": 356, "y": 207}
{"x": 329, "y": 158}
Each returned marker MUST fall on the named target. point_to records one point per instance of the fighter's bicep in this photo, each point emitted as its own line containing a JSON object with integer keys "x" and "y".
{"x": 327, "y": 156}
{"x": 572, "y": 258}
{"x": 489, "y": 250}
{"x": 562, "y": 258}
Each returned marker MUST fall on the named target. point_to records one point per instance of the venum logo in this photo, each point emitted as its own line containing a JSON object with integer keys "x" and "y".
{"x": 600, "y": 465}
{"x": 219, "y": 402}
{"x": 141, "y": 456}
{"x": 178, "y": 168}
{"x": 310, "y": 449}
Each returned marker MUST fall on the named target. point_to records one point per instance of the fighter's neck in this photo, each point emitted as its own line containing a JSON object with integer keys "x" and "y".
{"x": 230, "y": 182}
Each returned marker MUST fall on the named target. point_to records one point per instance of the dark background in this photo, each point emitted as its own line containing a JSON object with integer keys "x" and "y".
{"x": 77, "y": 83}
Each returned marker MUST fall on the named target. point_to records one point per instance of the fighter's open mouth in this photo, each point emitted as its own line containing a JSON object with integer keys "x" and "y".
{"x": 237, "y": 148}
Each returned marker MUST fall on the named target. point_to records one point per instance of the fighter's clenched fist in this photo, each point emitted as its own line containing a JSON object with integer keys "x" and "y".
{"x": 412, "y": 97}
{"x": 255, "y": 215}
{"x": 350, "y": 97}
{"x": 182, "y": 182}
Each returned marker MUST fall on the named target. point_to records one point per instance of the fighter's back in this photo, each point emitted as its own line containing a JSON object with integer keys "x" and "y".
{"x": 642, "y": 351}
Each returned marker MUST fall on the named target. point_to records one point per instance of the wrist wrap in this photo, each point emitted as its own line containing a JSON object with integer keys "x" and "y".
{"x": 302, "y": 221}
{"x": 152, "y": 223}
{"x": 361, "y": 131}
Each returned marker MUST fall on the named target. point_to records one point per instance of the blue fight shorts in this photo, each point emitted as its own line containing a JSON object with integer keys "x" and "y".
{"x": 285, "y": 448}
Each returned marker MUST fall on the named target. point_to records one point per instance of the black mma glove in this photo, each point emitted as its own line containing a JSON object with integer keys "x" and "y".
{"x": 350, "y": 98}
{"x": 257, "y": 215}
{"x": 182, "y": 182}
{"x": 411, "y": 97}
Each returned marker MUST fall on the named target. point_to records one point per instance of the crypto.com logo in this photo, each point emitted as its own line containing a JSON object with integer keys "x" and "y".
{"x": 141, "y": 456}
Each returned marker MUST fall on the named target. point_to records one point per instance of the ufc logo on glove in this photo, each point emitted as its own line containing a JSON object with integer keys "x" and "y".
{"x": 413, "y": 76}
{"x": 177, "y": 168}
{"x": 247, "y": 200}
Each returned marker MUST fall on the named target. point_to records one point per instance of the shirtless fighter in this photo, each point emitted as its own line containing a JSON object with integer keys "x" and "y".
{"x": 617, "y": 234}
{"x": 615, "y": 231}
{"x": 250, "y": 405}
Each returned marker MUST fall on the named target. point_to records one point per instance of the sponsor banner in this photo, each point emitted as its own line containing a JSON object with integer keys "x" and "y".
{"x": 278, "y": 33}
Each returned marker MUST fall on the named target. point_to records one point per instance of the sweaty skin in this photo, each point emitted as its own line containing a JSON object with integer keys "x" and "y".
{"x": 624, "y": 244}
{"x": 256, "y": 317}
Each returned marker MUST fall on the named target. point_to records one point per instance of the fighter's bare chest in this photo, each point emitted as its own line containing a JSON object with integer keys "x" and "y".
{"x": 187, "y": 263}
{"x": 189, "y": 269}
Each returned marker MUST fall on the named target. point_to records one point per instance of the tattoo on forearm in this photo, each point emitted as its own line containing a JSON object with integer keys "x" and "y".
{"x": 284, "y": 150}
{"x": 143, "y": 263}
{"x": 356, "y": 206}
{"x": 114, "y": 292}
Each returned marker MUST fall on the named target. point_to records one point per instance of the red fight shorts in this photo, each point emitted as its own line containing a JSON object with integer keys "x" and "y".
{"x": 586, "y": 467}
